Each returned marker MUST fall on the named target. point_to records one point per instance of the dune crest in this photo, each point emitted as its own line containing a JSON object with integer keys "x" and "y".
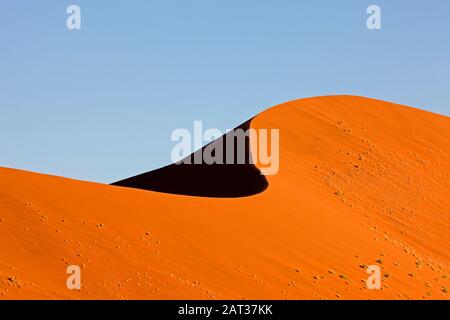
{"x": 361, "y": 182}
{"x": 205, "y": 180}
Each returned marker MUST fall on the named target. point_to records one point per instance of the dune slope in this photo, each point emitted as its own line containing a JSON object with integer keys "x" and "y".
{"x": 361, "y": 182}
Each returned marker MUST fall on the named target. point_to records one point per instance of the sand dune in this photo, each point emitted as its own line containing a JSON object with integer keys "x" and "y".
{"x": 361, "y": 182}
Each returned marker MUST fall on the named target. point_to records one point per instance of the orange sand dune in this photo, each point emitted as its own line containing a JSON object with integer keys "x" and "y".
{"x": 361, "y": 182}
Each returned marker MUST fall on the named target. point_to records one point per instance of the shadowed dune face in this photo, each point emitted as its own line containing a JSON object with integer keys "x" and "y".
{"x": 220, "y": 180}
{"x": 361, "y": 182}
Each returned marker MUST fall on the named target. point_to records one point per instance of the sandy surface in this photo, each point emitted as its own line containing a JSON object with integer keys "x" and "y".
{"x": 361, "y": 182}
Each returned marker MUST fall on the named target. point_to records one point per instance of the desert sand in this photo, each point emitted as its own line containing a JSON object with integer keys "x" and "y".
{"x": 361, "y": 182}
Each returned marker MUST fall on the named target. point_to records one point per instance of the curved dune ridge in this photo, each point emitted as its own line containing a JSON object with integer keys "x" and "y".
{"x": 205, "y": 180}
{"x": 361, "y": 182}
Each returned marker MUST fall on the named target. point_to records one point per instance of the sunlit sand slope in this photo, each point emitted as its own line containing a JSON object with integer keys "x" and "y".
{"x": 361, "y": 182}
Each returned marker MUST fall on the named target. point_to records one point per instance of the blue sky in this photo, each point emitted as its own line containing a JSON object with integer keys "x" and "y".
{"x": 100, "y": 103}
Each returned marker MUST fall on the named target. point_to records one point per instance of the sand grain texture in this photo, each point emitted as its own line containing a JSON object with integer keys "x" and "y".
{"x": 361, "y": 182}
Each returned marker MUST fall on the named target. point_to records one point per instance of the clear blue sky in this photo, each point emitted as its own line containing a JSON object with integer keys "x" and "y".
{"x": 100, "y": 103}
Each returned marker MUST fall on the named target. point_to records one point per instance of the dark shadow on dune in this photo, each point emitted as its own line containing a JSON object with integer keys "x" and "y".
{"x": 205, "y": 180}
